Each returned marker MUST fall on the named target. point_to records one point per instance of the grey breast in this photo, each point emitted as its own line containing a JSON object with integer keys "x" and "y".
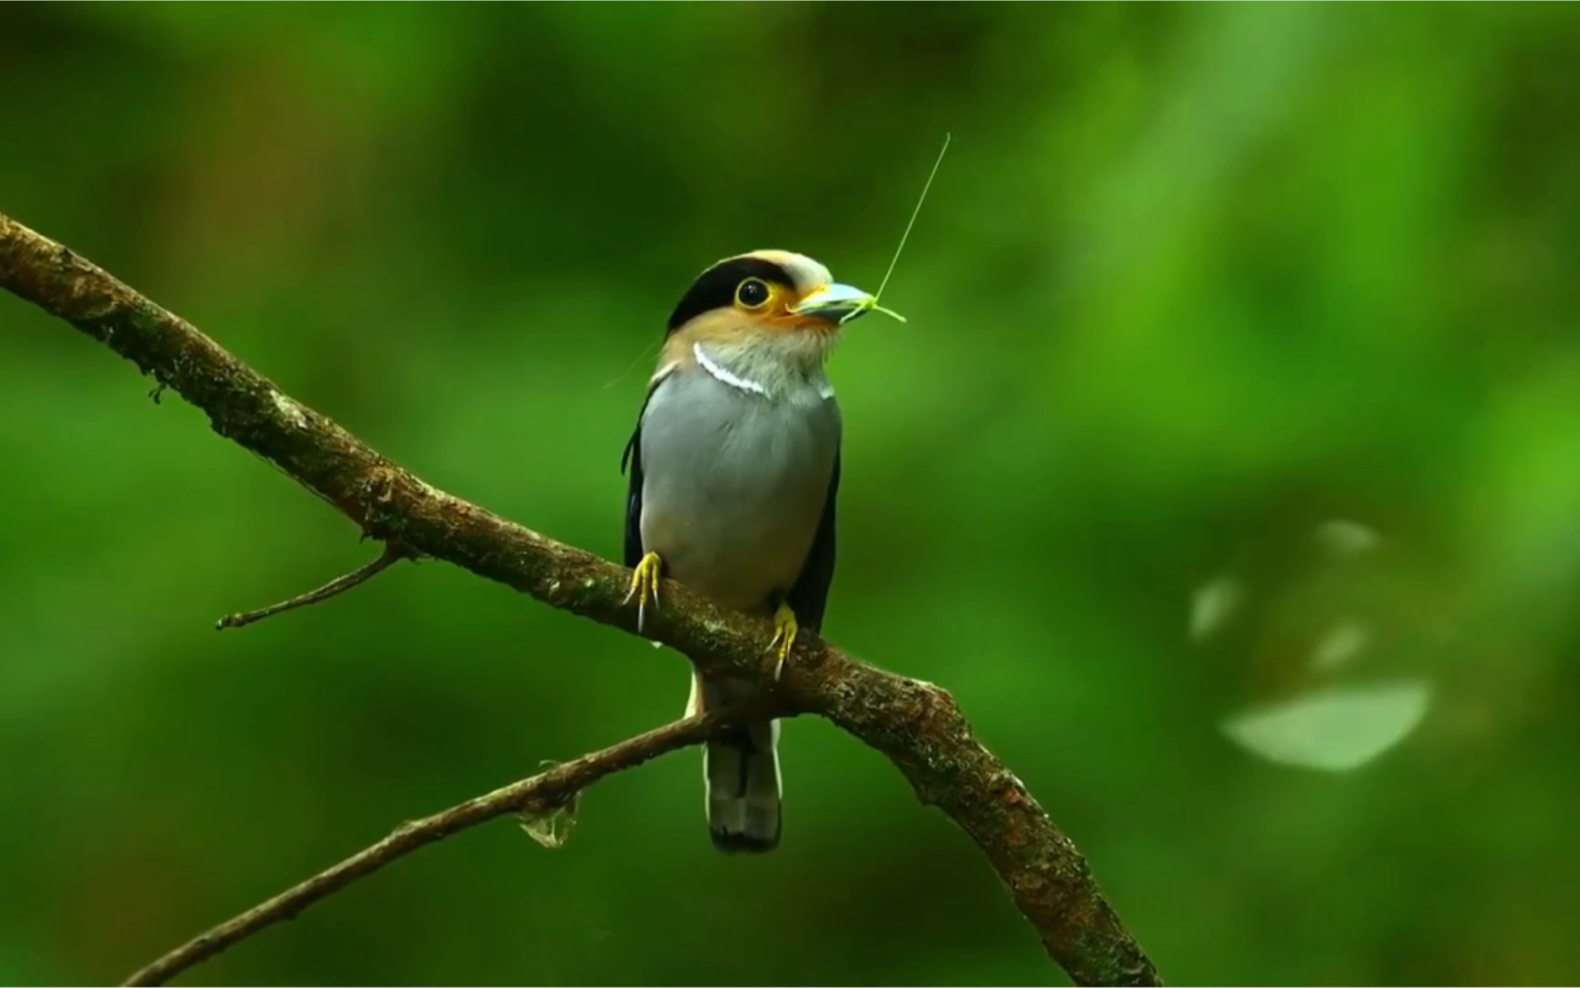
{"x": 734, "y": 484}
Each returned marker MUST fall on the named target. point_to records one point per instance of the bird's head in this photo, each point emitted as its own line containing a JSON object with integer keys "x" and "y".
{"x": 770, "y": 302}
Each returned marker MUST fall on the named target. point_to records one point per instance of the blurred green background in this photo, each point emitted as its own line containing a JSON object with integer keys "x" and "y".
{"x": 1227, "y": 472}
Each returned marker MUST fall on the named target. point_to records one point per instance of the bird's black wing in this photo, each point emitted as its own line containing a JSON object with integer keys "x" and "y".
{"x": 632, "y": 457}
{"x": 809, "y": 596}
{"x": 633, "y": 497}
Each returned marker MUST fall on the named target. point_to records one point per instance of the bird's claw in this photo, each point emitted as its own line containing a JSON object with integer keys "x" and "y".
{"x": 644, "y": 586}
{"x": 785, "y": 630}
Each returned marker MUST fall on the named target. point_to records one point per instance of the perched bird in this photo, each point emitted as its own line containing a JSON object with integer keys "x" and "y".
{"x": 734, "y": 470}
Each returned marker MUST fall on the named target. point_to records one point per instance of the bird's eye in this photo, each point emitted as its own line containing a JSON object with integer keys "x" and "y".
{"x": 753, "y": 293}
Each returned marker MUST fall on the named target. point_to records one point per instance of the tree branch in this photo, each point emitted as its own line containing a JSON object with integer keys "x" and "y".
{"x": 542, "y": 793}
{"x": 392, "y": 554}
{"x": 915, "y": 724}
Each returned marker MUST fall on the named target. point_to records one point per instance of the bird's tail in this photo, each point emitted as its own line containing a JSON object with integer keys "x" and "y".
{"x": 740, "y": 772}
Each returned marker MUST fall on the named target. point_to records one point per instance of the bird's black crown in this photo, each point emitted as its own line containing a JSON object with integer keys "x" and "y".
{"x": 715, "y": 287}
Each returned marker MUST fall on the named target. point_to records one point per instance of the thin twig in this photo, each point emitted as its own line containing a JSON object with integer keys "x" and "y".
{"x": 544, "y": 791}
{"x": 916, "y": 725}
{"x": 393, "y": 553}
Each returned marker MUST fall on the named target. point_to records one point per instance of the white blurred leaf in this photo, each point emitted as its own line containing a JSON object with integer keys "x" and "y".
{"x": 1333, "y": 730}
{"x": 1213, "y": 605}
{"x": 1343, "y": 643}
{"x": 1346, "y": 538}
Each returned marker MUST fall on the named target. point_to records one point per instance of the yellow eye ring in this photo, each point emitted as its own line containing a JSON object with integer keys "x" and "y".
{"x": 753, "y": 293}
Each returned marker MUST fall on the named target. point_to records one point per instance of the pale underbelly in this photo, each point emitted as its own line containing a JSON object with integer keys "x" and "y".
{"x": 733, "y": 492}
{"x": 739, "y": 558}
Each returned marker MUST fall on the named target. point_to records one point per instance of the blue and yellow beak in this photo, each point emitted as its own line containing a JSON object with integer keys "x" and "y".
{"x": 839, "y": 304}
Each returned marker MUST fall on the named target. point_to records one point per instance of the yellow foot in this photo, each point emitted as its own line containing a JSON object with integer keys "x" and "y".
{"x": 644, "y": 586}
{"x": 785, "y": 630}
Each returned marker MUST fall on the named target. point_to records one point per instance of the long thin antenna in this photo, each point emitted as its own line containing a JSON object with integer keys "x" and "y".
{"x": 907, "y": 234}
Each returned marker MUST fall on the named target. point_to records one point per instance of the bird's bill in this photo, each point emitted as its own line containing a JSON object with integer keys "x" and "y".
{"x": 835, "y": 303}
